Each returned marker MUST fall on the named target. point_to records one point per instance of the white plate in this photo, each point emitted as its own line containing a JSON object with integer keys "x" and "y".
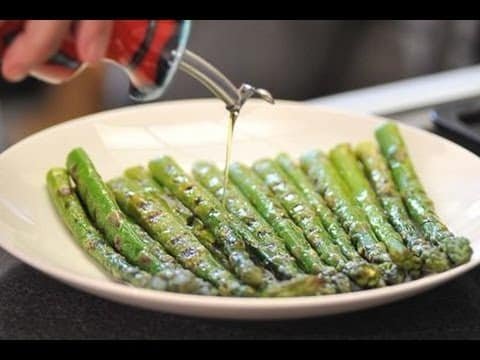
{"x": 195, "y": 129}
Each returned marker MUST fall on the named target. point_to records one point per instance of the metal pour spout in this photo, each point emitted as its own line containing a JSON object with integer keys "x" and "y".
{"x": 218, "y": 84}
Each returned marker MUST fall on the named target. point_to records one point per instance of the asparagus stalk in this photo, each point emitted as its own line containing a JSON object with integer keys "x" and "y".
{"x": 107, "y": 216}
{"x": 204, "y": 205}
{"x": 142, "y": 177}
{"x": 419, "y": 205}
{"x": 365, "y": 275}
{"x": 153, "y": 215}
{"x": 126, "y": 191}
{"x": 301, "y": 285}
{"x": 329, "y": 220}
{"x": 260, "y": 196}
{"x": 330, "y": 185}
{"x": 267, "y": 245}
{"x": 167, "y": 262}
{"x": 179, "y": 279}
{"x": 434, "y": 259}
{"x": 128, "y": 194}
{"x": 174, "y": 277}
{"x": 105, "y": 212}
{"x": 222, "y": 223}
{"x": 71, "y": 212}
{"x": 348, "y": 167}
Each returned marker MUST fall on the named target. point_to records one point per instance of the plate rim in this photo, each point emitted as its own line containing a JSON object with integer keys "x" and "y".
{"x": 91, "y": 285}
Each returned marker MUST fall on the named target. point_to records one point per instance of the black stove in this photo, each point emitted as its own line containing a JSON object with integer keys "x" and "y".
{"x": 458, "y": 121}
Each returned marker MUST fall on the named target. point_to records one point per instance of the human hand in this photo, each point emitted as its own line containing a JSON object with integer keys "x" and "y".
{"x": 40, "y": 39}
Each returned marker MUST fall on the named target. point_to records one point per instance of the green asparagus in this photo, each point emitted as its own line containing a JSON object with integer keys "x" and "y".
{"x": 260, "y": 196}
{"x": 330, "y": 185}
{"x": 204, "y": 205}
{"x": 219, "y": 219}
{"x": 435, "y": 260}
{"x": 301, "y": 285}
{"x": 154, "y": 216}
{"x": 268, "y": 246}
{"x": 365, "y": 275}
{"x": 129, "y": 193}
{"x": 143, "y": 177}
{"x": 71, "y": 212}
{"x": 105, "y": 212}
{"x": 419, "y": 205}
{"x": 348, "y": 167}
{"x": 329, "y": 220}
{"x": 120, "y": 232}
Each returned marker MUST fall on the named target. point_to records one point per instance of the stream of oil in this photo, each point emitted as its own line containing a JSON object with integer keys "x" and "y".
{"x": 232, "y": 118}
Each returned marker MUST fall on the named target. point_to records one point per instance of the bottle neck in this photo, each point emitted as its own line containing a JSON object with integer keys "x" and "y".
{"x": 218, "y": 84}
{"x": 211, "y": 78}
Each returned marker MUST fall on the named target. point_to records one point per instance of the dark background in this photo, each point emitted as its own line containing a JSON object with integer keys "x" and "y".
{"x": 295, "y": 60}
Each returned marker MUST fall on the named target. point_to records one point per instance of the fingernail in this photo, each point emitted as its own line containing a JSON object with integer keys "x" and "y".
{"x": 15, "y": 73}
{"x": 94, "y": 52}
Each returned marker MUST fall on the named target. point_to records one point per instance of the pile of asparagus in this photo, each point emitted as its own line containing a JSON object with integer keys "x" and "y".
{"x": 331, "y": 223}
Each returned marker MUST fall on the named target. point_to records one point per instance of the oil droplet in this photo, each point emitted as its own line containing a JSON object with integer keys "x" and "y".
{"x": 233, "y": 115}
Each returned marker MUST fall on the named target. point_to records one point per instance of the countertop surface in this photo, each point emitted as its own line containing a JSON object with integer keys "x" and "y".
{"x": 34, "y": 306}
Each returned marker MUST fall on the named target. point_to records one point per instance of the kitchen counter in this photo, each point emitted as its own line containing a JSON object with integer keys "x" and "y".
{"x": 34, "y": 306}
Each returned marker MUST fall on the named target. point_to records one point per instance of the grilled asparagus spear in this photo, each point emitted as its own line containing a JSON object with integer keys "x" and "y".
{"x": 144, "y": 178}
{"x": 228, "y": 228}
{"x": 419, "y": 205}
{"x": 328, "y": 183}
{"x": 268, "y": 246}
{"x": 128, "y": 192}
{"x": 71, "y": 212}
{"x": 155, "y": 217}
{"x": 301, "y": 285}
{"x": 365, "y": 275}
{"x": 204, "y": 205}
{"x": 141, "y": 176}
{"x": 348, "y": 167}
{"x": 434, "y": 259}
{"x": 120, "y": 232}
{"x": 329, "y": 220}
{"x": 261, "y": 197}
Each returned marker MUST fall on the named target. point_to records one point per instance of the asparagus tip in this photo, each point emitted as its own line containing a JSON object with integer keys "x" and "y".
{"x": 411, "y": 262}
{"x": 364, "y": 274}
{"x": 458, "y": 249}
{"x": 303, "y": 285}
{"x": 391, "y": 273}
{"x": 435, "y": 261}
{"x": 341, "y": 281}
{"x": 157, "y": 283}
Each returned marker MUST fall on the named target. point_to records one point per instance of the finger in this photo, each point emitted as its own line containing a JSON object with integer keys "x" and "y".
{"x": 39, "y": 40}
{"x": 93, "y": 37}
